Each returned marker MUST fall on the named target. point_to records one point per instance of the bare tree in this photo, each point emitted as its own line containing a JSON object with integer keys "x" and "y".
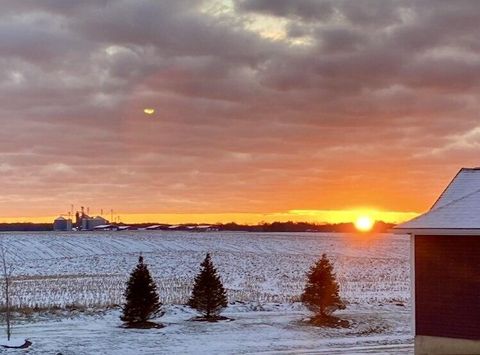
{"x": 7, "y": 275}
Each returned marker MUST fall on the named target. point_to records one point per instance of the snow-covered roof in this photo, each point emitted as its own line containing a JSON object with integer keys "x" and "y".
{"x": 155, "y": 226}
{"x": 464, "y": 183}
{"x": 457, "y": 208}
{"x": 103, "y": 226}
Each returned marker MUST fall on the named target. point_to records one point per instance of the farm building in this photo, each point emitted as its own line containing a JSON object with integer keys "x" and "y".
{"x": 84, "y": 222}
{"x": 62, "y": 224}
{"x": 91, "y": 223}
{"x": 445, "y": 256}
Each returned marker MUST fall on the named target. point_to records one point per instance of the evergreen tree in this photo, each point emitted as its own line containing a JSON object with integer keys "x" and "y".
{"x": 142, "y": 302}
{"x": 208, "y": 295}
{"x": 321, "y": 291}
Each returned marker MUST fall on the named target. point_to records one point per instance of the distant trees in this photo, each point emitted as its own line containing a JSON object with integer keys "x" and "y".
{"x": 141, "y": 299}
{"x": 276, "y": 227}
{"x": 321, "y": 291}
{"x": 208, "y": 295}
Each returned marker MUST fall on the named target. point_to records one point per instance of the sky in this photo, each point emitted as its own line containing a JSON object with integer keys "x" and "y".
{"x": 264, "y": 109}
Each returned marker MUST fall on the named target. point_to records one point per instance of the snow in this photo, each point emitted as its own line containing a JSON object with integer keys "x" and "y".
{"x": 463, "y": 213}
{"x": 13, "y": 342}
{"x": 90, "y": 269}
{"x": 278, "y": 328}
{"x": 458, "y": 207}
{"x": 264, "y": 274}
{"x": 464, "y": 183}
{"x": 101, "y": 226}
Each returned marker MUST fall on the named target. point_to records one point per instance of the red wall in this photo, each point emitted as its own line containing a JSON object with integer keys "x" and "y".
{"x": 447, "y": 286}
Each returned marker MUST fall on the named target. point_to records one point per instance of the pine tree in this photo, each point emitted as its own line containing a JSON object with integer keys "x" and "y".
{"x": 321, "y": 291}
{"x": 142, "y": 302}
{"x": 208, "y": 295}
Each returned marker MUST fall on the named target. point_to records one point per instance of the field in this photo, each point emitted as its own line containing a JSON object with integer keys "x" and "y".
{"x": 264, "y": 274}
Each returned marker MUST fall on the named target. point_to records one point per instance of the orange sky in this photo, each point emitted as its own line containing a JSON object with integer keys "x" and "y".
{"x": 262, "y": 108}
{"x": 314, "y": 216}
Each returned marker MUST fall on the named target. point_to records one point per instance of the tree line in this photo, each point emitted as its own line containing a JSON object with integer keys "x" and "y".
{"x": 274, "y": 227}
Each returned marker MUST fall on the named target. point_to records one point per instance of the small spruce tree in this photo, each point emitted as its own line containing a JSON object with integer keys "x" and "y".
{"x": 208, "y": 295}
{"x": 142, "y": 302}
{"x": 321, "y": 291}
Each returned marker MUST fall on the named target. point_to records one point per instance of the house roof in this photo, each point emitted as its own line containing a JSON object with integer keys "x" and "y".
{"x": 457, "y": 208}
{"x": 465, "y": 182}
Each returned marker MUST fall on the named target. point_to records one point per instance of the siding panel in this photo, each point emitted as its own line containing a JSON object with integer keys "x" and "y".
{"x": 447, "y": 286}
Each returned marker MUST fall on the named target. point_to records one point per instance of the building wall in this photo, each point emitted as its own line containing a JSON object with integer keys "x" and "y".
{"x": 425, "y": 345}
{"x": 447, "y": 286}
{"x": 95, "y": 222}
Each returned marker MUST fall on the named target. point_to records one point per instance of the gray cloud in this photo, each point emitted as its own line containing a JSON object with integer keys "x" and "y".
{"x": 242, "y": 122}
{"x": 309, "y": 10}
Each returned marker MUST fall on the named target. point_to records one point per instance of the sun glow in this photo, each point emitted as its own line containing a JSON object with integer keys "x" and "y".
{"x": 311, "y": 216}
{"x": 364, "y": 223}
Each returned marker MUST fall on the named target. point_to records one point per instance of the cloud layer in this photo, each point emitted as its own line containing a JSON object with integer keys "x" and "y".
{"x": 261, "y": 106}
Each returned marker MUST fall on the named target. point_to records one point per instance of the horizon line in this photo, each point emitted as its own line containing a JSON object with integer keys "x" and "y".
{"x": 244, "y": 218}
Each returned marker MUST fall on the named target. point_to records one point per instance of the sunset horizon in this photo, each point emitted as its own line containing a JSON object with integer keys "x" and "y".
{"x": 240, "y": 176}
{"x": 247, "y": 218}
{"x": 233, "y": 110}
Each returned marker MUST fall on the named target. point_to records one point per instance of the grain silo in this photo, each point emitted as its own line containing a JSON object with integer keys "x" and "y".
{"x": 62, "y": 224}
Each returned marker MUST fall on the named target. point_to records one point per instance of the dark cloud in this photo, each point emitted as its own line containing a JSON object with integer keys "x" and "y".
{"x": 357, "y": 94}
{"x": 304, "y": 9}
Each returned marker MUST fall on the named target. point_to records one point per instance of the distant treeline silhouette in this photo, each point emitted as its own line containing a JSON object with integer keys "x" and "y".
{"x": 25, "y": 227}
{"x": 277, "y": 227}
{"x": 379, "y": 227}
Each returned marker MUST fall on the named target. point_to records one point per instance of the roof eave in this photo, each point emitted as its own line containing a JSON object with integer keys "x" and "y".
{"x": 437, "y": 231}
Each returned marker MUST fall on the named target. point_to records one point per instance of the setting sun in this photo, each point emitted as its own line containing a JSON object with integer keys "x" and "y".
{"x": 364, "y": 223}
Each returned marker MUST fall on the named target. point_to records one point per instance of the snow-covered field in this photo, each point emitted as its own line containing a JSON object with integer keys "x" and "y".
{"x": 264, "y": 274}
